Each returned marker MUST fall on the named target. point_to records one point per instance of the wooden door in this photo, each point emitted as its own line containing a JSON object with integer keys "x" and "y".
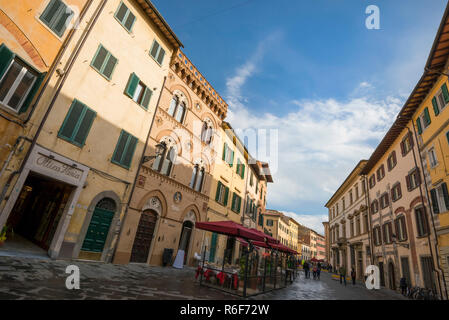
{"x": 144, "y": 236}
{"x": 99, "y": 226}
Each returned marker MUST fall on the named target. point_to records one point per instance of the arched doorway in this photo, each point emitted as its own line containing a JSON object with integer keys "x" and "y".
{"x": 99, "y": 226}
{"x": 144, "y": 236}
{"x": 184, "y": 240}
{"x": 391, "y": 276}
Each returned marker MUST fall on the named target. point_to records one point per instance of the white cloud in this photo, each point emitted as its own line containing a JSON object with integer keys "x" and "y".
{"x": 320, "y": 141}
{"x": 314, "y": 222}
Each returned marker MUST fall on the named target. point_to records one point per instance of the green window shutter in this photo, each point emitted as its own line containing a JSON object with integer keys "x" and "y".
{"x": 427, "y": 116}
{"x": 124, "y": 150}
{"x": 132, "y": 85}
{"x": 146, "y": 98}
{"x": 445, "y": 93}
{"x": 32, "y": 93}
{"x": 129, "y": 23}
{"x": 232, "y": 158}
{"x": 120, "y": 147}
{"x": 445, "y": 195}
{"x": 447, "y": 137}
{"x": 77, "y": 123}
{"x": 436, "y": 110}
{"x": 226, "y": 196}
{"x": 433, "y": 195}
{"x": 109, "y": 66}
{"x": 224, "y": 151}
{"x": 84, "y": 127}
{"x": 104, "y": 62}
{"x": 56, "y": 15}
{"x": 243, "y": 171}
{"x": 6, "y": 56}
{"x": 131, "y": 147}
{"x": 60, "y": 24}
{"x": 239, "y": 205}
{"x": 217, "y": 194}
{"x": 121, "y": 12}
{"x": 154, "y": 49}
{"x": 70, "y": 122}
{"x": 233, "y": 201}
{"x": 160, "y": 57}
{"x": 50, "y": 12}
{"x": 418, "y": 124}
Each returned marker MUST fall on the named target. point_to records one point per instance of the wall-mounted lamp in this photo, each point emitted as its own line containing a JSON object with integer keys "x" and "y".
{"x": 160, "y": 147}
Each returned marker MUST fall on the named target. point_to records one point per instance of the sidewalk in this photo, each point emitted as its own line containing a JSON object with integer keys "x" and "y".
{"x": 35, "y": 278}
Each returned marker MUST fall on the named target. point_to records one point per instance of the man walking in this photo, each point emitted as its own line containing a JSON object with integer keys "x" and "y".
{"x": 342, "y": 275}
{"x": 306, "y": 269}
{"x": 353, "y": 276}
{"x": 318, "y": 271}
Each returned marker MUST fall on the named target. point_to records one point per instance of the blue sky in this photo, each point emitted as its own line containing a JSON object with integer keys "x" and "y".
{"x": 312, "y": 71}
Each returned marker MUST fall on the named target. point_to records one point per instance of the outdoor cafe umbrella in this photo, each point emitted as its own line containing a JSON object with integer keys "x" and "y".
{"x": 231, "y": 228}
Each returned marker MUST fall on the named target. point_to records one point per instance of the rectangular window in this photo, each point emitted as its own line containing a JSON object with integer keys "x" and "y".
{"x": 77, "y": 123}
{"x": 228, "y": 155}
{"x": 236, "y": 203}
{"x": 432, "y": 158}
{"x": 57, "y": 16}
{"x": 440, "y": 100}
{"x": 350, "y": 197}
{"x": 104, "y": 62}
{"x": 365, "y": 223}
{"x": 124, "y": 150}
{"x": 396, "y": 192}
{"x": 240, "y": 169}
{"x": 18, "y": 81}
{"x": 125, "y": 17}
{"x": 424, "y": 120}
{"x": 401, "y": 230}
{"x": 380, "y": 173}
{"x": 421, "y": 222}
{"x": 406, "y": 144}
{"x": 357, "y": 191}
{"x": 372, "y": 181}
{"x": 413, "y": 180}
{"x": 391, "y": 161}
{"x": 440, "y": 198}
{"x": 157, "y": 52}
{"x": 138, "y": 91}
{"x": 387, "y": 233}
{"x": 384, "y": 201}
{"x": 222, "y": 194}
{"x": 269, "y": 222}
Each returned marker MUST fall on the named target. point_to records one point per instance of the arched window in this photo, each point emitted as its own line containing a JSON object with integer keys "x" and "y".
{"x": 177, "y": 109}
{"x": 197, "y": 180}
{"x": 207, "y": 131}
{"x": 164, "y": 161}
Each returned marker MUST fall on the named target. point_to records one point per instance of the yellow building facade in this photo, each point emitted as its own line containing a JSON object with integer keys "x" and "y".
{"x": 72, "y": 186}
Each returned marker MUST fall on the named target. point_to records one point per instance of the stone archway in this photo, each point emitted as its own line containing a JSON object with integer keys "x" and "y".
{"x": 106, "y": 254}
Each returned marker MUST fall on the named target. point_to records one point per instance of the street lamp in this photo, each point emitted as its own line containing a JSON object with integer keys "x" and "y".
{"x": 160, "y": 147}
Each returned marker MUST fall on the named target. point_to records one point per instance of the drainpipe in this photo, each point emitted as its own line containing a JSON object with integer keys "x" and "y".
{"x": 370, "y": 222}
{"x": 56, "y": 94}
{"x": 140, "y": 166}
{"x": 431, "y": 215}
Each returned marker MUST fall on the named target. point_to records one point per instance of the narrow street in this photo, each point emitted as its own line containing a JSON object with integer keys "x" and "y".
{"x": 38, "y": 278}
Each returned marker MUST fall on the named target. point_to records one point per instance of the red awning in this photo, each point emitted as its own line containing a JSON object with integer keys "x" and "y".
{"x": 270, "y": 239}
{"x": 231, "y": 228}
{"x": 242, "y": 242}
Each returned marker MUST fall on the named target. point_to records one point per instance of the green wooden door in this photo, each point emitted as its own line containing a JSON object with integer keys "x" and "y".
{"x": 213, "y": 247}
{"x": 98, "y": 230}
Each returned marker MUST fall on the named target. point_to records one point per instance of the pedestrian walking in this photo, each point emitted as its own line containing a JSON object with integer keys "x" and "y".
{"x": 342, "y": 275}
{"x": 306, "y": 269}
{"x": 315, "y": 268}
{"x": 403, "y": 285}
{"x": 353, "y": 276}
{"x": 318, "y": 271}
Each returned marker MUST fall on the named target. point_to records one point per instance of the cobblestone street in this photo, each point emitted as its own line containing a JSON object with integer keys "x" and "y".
{"x": 37, "y": 278}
